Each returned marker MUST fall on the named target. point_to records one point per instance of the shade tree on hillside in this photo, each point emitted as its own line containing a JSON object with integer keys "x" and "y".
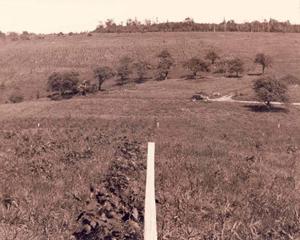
{"x": 141, "y": 69}
{"x": 269, "y": 89}
{"x": 196, "y": 65}
{"x": 235, "y": 66}
{"x": 102, "y": 74}
{"x": 124, "y": 69}
{"x": 165, "y": 63}
{"x": 264, "y": 60}
{"x": 212, "y": 56}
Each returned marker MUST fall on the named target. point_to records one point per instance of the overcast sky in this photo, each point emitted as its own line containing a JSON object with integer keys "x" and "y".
{"x": 46, "y": 16}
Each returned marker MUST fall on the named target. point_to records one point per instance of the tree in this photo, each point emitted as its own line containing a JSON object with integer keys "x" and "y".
{"x": 25, "y": 35}
{"x": 141, "y": 68}
{"x": 13, "y": 36}
{"x": 264, "y": 60}
{"x": 102, "y": 74}
{"x": 212, "y": 56}
{"x": 124, "y": 69}
{"x": 196, "y": 65}
{"x": 165, "y": 63}
{"x": 65, "y": 83}
{"x": 2, "y": 35}
{"x": 235, "y": 65}
{"x": 270, "y": 89}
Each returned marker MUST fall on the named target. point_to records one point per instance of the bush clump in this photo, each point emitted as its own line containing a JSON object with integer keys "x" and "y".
{"x": 124, "y": 69}
{"x": 63, "y": 84}
{"x": 16, "y": 98}
{"x": 196, "y": 65}
{"x": 212, "y": 56}
{"x": 270, "y": 89}
{"x": 141, "y": 68}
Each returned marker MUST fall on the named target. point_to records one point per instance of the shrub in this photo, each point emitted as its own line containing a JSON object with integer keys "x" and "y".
{"x": 2, "y": 35}
{"x": 40, "y": 37}
{"x": 16, "y": 98}
{"x": 290, "y": 79}
{"x": 87, "y": 87}
{"x": 212, "y": 56}
{"x": 235, "y": 66}
{"x": 165, "y": 63}
{"x": 221, "y": 66}
{"x": 124, "y": 69}
{"x": 264, "y": 60}
{"x": 196, "y": 65}
{"x": 25, "y": 36}
{"x": 13, "y": 36}
{"x": 141, "y": 69}
{"x": 64, "y": 84}
{"x": 102, "y": 74}
{"x": 270, "y": 89}
{"x": 2, "y": 86}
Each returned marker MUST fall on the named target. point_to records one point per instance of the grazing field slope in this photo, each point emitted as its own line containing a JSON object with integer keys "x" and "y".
{"x": 223, "y": 170}
{"x": 25, "y": 65}
{"x": 219, "y": 166}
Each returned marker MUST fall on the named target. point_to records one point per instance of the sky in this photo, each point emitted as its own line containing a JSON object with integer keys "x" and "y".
{"x": 49, "y": 16}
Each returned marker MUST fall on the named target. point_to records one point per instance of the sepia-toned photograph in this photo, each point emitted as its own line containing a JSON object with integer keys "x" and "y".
{"x": 149, "y": 120}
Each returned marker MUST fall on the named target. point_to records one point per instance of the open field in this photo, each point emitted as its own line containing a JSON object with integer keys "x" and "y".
{"x": 223, "y": 170}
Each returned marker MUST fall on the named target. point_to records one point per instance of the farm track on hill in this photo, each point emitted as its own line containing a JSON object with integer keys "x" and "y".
{"x": 228, "y": 98}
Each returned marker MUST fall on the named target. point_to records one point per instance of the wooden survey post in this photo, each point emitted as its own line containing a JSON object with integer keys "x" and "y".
{"x": 150, "y": 231}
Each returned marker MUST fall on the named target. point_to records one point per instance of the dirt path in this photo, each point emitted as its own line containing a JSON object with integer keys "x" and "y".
{"x": 228, "y": 98}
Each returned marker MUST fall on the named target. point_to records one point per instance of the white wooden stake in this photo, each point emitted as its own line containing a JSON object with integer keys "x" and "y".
{"x": 150, "y": 231}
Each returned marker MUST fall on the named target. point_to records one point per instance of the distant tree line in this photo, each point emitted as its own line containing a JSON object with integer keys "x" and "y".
{"x": 189, "y": 25}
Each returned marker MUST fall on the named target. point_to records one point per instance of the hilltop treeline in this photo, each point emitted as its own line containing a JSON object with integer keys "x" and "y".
{"x": 189, "y": 25}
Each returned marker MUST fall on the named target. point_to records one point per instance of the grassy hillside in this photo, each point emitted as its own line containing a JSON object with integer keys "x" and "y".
{"x": 220, "y": 166}
{"x": 25, "y": 65}
{"x": 223, "y": 170}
